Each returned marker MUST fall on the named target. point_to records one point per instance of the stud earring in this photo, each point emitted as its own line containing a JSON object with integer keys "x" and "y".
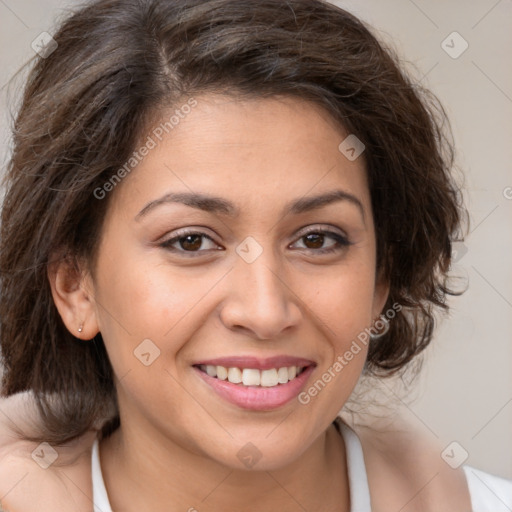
{"x": 80, "y": 329}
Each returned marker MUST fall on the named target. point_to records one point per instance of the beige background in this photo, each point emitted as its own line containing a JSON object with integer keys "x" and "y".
{"x": 465, "y": 392}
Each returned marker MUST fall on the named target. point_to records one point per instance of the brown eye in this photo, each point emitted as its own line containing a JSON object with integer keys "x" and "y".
{"x": 189, "y": 243}
{"x": 315, "y": 241}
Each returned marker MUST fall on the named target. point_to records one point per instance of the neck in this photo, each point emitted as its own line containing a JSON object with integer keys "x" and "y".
{"x": 147, "y": 472}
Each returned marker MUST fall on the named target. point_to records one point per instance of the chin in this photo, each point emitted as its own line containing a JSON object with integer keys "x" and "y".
{"x": 264, "y": 452}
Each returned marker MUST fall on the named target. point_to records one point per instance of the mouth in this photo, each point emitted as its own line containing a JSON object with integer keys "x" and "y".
{"x": 252, "y": 376}
{"x": 253, "y": 384}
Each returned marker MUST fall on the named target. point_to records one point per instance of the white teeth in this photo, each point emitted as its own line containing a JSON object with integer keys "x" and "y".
{"x": 282, "y": 375}
{"x": 253, "y": 377}
{"x": 269, "y": 378}
{"x": 235, "y": 375}
{"x": 211, "y": 370}
{"x": 222, "y": 373}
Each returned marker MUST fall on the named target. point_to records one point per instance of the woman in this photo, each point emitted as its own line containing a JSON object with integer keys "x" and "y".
{"x": 218, "y": 216}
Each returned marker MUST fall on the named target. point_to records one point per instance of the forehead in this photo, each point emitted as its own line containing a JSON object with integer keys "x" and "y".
{"x": 258, "y": 152}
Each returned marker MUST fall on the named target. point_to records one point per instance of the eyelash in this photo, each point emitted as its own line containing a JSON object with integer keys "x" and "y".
{"x": 341, "y": 242}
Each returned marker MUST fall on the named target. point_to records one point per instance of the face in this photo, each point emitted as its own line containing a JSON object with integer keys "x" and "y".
{"x": 241, "y": 247}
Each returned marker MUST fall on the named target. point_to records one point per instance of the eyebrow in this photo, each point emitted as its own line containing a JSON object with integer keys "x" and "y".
{"x": 218, "y": 205}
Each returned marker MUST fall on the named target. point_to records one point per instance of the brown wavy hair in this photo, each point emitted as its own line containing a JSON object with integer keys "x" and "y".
{"x": 86, "y": 105}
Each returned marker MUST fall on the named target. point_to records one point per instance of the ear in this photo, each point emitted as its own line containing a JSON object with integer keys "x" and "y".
{"x": 72, "y": 291}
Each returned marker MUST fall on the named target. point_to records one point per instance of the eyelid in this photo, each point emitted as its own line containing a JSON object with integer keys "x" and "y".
{"x": 323, "y": 228}
{"x": 192, "y": 230}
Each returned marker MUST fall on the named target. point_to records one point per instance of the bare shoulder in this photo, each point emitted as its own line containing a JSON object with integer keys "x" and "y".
{"x": 53, "y": 477}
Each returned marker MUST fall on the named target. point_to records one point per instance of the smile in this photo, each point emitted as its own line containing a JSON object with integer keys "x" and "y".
{"x": 255, "y": 384}
{"x": 252, "y": 376}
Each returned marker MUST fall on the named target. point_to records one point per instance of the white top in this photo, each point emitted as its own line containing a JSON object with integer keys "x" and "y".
{"x": 488, "y": 493}
{"x": 99, "y": 492}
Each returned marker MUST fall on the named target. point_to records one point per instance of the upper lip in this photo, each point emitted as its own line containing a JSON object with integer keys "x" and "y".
{"x": 257, "y": 363}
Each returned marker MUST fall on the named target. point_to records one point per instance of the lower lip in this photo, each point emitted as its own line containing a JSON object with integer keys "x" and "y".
{"x": 257, "y": 398}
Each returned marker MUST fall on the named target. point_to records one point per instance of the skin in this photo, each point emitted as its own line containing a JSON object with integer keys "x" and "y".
{"x": 179, "y": 440}
{"x": 177, "y": 447}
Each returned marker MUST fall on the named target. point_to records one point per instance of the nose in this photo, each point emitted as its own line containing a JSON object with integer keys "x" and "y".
{"x": 259, "y": 300}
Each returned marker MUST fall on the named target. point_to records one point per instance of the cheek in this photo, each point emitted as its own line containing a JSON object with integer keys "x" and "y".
{"x": 343, "y": 299}
{"x": 342, "y": 304}
{"x": 141, "y": 300}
